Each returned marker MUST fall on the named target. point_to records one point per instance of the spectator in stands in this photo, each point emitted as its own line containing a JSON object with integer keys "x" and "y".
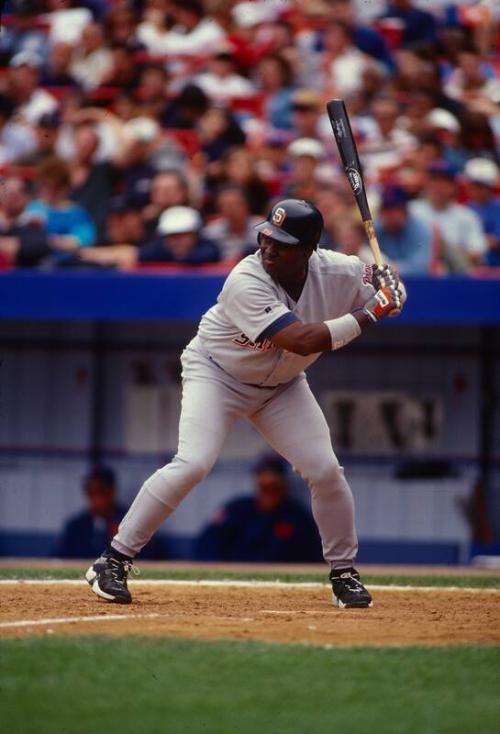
{"x": 306, "y": 155}
{"x": 124, "y": 224}
{"x": 123, "y": 72}
{"x": 238, "y": 166}
{"x": 92, "y": 182}
{"x": 66, "y": 22}
{"x": 31, "y": 101}
{"x": 46, "y": 133}
{"x": 413, "y": 172}
{"x": 180, "y": 240}
{"x": 92, "y": 61}
{"x": 57, "y": 71}
{"x": 478, "y": 139}
{"x": 16, "y": 140}
{"x": 219, "y": 133}
{"x": 121, "y": 27}
{"x": 343, "y": 64}
{"x": 473, "y": 79}
{"x": 153, "y": 27}
{"x": 404, "y": 238}
{"x": 68, "y": 224}
{"x": 186, "y": 109}
{"x": 137, "y": 161}
{"x": 168, "y": 188}
{"x": 275, "y": 78}
{"x": 233, "y": 227}
{"x": 22, "y": 35}
{"x": 250, "y": 44}
{"x": 220, "y": 81}
{"x": 386, "y": 143}
{"x": 481, "y": 175}
{"x": 23, "y": 242}
{"x": 267, "y": 527}
{"x": 152, "y": 91}
{"x": 461, "y": 236}
{"x": 419, "y": 104}
{"x": 369, "y": 40}
{"x": 307, "y": 108}
{"x": 417, "y": 26}
{"x": 273, "y": 164}
{"x": 351, "y": 238}
{"x": 334, "y": 200}
{"x": 194, "y": 32}
{"x": 85, "y": 532}
{"x": 447, "y": 128}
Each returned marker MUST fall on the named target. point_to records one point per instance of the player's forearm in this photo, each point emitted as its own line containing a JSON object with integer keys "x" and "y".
{"x": 306, "y": 339}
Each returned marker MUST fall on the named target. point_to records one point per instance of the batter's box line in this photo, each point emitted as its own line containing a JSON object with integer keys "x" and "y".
{"x": 252, "y": 585}
{"x": 73, "y": 620}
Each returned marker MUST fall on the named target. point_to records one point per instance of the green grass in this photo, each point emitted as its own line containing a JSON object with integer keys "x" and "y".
{"x": 133, "y": 685}
{"x": 50, "y": 572}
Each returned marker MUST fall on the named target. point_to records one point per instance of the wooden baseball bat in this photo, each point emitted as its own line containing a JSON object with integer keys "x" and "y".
{"x": 346, "y": 144}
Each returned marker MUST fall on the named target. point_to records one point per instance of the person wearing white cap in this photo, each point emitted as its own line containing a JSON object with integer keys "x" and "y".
{"x": 194, "y": 31}
{"x": 179, "y": 240}
{"x": 481, "y": 176}
{"x": 220, "y": 81}
{"x": 31, "y": 101}
{"x": 306, "y": 155}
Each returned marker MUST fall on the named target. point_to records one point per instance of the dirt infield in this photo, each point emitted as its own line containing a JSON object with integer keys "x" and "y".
{"x": 291, "y": 613}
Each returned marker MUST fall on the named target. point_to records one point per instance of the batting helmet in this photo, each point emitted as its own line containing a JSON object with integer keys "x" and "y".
{"x": 293, "y": 222}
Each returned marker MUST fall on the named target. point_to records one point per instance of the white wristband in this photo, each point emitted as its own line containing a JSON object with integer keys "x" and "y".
{"x": 343, "y": 330}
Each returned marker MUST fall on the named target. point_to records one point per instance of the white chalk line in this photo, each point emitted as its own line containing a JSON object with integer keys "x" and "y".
{"x": 237, "y": 583}
{"x": 68, "y": 620}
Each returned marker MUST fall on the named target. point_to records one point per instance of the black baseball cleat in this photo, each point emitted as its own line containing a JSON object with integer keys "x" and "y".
{"x": 348, "y": 591}
{"x": 108, "y": 579}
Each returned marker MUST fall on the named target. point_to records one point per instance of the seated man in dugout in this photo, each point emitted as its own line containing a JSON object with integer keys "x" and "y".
{"x": 266, "y": 526}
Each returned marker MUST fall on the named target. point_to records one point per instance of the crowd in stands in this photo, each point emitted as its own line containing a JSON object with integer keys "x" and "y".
{"x": 146, "y": 132}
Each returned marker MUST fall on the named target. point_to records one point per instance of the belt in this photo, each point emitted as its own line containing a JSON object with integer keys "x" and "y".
{"x": 248, "y": 384}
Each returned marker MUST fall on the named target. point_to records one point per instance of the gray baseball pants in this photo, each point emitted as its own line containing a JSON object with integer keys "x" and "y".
{"x": 290, "y": 420}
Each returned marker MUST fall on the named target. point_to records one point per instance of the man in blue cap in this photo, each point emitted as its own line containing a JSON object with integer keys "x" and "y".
{"x": 404, "y": 238}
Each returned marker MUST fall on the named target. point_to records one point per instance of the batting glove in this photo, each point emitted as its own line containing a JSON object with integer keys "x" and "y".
{"x": 385, "y": 302}
{"x": 383, "y": 276}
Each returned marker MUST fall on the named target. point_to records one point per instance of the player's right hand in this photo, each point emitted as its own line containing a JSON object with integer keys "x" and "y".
{"x": 385, "y": 302}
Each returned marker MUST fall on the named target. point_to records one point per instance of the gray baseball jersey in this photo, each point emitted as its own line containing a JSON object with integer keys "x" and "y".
{"x": 232, "y": 370}
{"x": 252, "y": 307}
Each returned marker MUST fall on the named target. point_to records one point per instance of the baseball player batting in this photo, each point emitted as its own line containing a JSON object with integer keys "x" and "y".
{"x": 278, "y": 310}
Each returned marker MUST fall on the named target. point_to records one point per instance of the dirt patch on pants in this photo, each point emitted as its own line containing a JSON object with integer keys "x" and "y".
{"x": 281, "y": 614}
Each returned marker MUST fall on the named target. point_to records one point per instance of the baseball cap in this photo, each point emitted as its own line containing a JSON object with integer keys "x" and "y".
{"x": 26, "y": 58}
{"x": 179, "y": 220}
{"x": 482, "y": 170}
{"x": 251, "y": 13}
{"x": 308, "y": 147}
{"x": 393, "y": 196}
{"x": 444, "y": 169}
{"x": 307, "y": 98}
{"x": 271, "y": 462}
{"x": 103, "y": 473}
{"x": 443, "y": 119}
{"x": 121, "y": 203}
{"x": 49, "y": 119}
{"x": 142, "y": 129}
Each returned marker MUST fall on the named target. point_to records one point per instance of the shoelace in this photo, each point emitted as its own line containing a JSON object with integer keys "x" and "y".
{"x": 120, "y": 569}
{"x": 352, "y": 583}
